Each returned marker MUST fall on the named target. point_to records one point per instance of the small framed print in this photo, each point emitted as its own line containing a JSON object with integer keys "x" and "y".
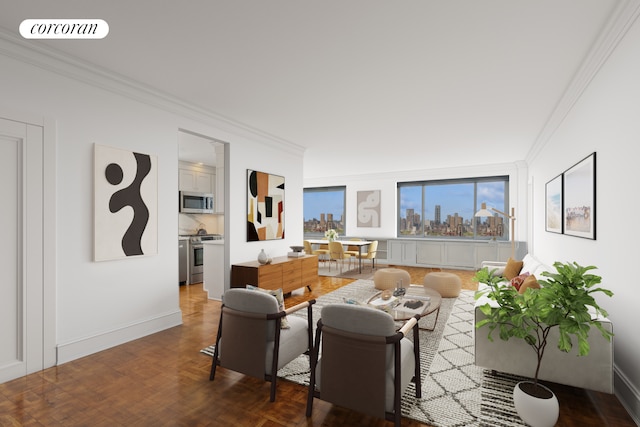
{"x": 579, "y": 195}
{"x": 553, "y": 205}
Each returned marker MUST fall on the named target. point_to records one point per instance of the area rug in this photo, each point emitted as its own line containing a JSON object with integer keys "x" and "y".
{"x": 354, "y": 273}
{"x": 455, "y": 392}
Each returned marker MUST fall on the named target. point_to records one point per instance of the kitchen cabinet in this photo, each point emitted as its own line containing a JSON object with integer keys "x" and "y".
{"x": 283, "y": 272}
{"x": 213, "y": 269}
{"x": 197, "y": 178}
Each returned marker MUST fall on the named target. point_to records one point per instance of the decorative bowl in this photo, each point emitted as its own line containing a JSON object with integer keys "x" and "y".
{"x": 297, "y": 248}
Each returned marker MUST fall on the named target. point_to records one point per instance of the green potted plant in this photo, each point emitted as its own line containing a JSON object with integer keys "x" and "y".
{"x": 564, "y": 301}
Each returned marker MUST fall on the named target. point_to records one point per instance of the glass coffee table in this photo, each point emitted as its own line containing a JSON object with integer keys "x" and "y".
{"x": 416, "y": 300}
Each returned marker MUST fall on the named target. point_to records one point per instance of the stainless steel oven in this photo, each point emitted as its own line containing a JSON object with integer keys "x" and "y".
{"x": 196, "y": 256}
{"x": 196, "y": 267}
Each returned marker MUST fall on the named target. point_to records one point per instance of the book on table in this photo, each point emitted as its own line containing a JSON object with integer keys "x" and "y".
{"x": 413, "y": 304}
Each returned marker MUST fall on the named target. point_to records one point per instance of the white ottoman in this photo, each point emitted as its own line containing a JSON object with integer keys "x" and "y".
{"x": 388, "y": 278}
{"x": 446, "y": 284}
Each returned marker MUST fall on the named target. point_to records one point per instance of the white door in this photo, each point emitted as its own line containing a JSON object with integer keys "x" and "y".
{"x": 21, "y": 251}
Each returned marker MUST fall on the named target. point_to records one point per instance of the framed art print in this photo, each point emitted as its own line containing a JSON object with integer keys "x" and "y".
{"x": 553, "y": 205}
{"x": 265, "y": 206}
{"x": 125, "y": 203}
{"x": 579, "y": 192}
{"x": 368, "y": 208}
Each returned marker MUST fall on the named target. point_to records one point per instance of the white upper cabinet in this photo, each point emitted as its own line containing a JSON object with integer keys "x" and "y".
{"x": 197, "y": 178}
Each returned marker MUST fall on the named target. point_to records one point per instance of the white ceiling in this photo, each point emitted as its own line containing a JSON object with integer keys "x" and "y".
{"x": 431, "y": 83}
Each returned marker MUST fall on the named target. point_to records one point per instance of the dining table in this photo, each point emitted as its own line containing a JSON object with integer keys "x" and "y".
{"x": 358, "y": 243}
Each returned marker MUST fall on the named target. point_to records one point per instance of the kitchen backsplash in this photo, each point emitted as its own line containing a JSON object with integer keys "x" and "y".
{"x": 190, "y": 223}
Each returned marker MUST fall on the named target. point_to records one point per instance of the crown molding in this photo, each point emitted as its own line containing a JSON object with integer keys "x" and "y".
{"x": 455, "y": 172}
{"x": 58, "y": 62}
{"x": 619, "y": 23}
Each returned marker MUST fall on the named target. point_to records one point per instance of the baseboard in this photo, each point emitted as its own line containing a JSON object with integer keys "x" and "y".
{"x": 90, "y": 345}
{"x": 627, "y": 394}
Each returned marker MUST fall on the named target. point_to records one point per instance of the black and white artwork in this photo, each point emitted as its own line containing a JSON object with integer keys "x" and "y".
{"x": 125, "y": 205}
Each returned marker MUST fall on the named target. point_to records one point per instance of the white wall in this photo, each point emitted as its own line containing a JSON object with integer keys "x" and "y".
{"x": 289, "y": 165}
{"x": 605, "y": 120}
{"x": 103, "y": 304}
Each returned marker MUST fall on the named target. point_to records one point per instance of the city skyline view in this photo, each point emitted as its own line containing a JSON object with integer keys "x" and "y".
{"x": 449, "y": 209}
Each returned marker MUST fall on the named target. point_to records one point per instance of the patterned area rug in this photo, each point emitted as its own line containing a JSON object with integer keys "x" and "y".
{"x": 455, "y": 392}
{"x": 324, "y": 269}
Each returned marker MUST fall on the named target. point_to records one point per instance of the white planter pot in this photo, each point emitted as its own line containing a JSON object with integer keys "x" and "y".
{"x": 536, "y": 411}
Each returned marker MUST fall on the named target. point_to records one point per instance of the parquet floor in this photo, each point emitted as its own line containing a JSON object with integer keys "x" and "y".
{"x": 163, "y": 380}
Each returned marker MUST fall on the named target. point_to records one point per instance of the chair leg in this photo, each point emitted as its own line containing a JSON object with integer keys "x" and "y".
{"x": 214, "y": 362}
{"x": 313, "y": 361}
{"x": 212, "y": 374}
{"x": 272, "y": 396}
{"x": 416, "y": 354}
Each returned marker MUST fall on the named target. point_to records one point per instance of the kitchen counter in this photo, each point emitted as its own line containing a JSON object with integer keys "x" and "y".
{"x": 213, "y": 266}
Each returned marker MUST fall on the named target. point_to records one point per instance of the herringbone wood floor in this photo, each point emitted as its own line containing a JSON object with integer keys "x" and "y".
{"x": 163, "y": 380}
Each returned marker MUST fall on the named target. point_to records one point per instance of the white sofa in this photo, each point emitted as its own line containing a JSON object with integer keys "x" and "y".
{"x": 593, "y": 372}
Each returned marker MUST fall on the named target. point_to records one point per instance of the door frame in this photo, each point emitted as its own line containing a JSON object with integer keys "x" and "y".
{"x": 49, "y": 235}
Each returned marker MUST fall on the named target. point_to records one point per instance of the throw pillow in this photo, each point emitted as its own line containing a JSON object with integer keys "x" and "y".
{"x": 512, "y": 269}
{"x": 279, "y": 296}
{"x": 517, "y": 281}
{"x": 529, "y": 282}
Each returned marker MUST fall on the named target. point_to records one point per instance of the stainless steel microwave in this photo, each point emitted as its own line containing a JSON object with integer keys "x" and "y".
{"x": 193, "y": 202}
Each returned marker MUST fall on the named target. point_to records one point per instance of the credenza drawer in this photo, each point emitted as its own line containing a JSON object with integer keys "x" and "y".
{"x": 283, "y": 272}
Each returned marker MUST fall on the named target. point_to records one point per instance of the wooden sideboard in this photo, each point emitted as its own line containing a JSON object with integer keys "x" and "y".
{"x": 283, "y": 272}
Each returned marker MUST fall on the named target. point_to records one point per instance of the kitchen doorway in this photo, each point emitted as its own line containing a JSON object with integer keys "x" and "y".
{"x": 202, "y": 168}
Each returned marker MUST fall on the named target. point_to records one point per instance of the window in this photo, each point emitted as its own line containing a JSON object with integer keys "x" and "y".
{"x": 446, "y": 208}
{"x": 324, "y": 208}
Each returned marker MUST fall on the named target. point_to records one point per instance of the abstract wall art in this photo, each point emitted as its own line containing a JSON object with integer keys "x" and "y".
{"x": 368, "y": 208}
{"x": 125, "y": 204}
{"x": 265, "y": 206}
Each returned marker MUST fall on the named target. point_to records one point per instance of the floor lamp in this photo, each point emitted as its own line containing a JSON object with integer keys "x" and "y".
{"x": 483, "y": 212}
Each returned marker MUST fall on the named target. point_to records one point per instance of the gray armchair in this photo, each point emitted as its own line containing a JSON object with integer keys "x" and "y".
{"x": 365, "y": 363}
{"x": 250, "y": 339}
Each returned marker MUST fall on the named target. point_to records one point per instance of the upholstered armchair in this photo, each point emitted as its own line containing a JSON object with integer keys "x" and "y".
{"x": 365, "y": 364}
{"x": 257, "y": 338}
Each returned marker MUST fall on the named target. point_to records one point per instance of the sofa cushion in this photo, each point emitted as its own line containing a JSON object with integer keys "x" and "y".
{"x": 529, "y": 282}
{"x": 512, "y": 269}
{"x": 517, "y": 281}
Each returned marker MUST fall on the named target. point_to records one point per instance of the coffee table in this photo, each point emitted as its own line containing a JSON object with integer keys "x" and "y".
{"x": 422, "y": 294}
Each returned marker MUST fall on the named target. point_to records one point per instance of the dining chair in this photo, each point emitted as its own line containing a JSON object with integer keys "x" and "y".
{"x": 336, "y": 253}
{"x": 371, "y": 254}
{"x": 353, "y": 250}
{"x": 323, "y": 254}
